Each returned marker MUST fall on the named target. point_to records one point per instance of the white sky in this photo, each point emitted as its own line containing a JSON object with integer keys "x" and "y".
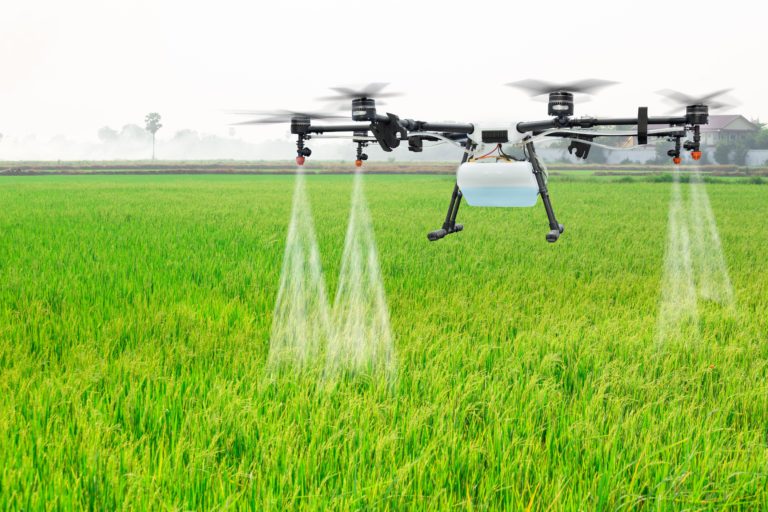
{"x": 70, "y": 67}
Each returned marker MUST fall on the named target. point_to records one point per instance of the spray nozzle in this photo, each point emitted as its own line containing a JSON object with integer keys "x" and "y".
{"x": 301, "y": 151}
{"x": 361, "y": 157}
{"x": 675, "y": 153}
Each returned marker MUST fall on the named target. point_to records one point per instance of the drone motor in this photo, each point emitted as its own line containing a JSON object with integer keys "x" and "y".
{"x": 300, "y": 124}
{"x": 560, "y": 104}
{"x": 363, "y": 109}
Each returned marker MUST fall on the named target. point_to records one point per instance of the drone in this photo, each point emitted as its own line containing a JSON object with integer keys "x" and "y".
{"x": 489, "y": 175}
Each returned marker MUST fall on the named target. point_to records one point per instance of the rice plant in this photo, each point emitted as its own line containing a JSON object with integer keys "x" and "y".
{"x": 135, "y": 323}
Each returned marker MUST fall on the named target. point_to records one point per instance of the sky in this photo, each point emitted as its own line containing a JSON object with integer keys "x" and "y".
{"x": 69, "y": 68}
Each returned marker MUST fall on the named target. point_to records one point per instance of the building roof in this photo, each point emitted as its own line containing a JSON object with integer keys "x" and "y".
{"x": 729, "y": 122}
{"x": 735, "y": 122}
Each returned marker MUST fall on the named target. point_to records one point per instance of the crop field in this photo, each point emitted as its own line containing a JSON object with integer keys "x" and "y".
{"x": 135, "y": 322}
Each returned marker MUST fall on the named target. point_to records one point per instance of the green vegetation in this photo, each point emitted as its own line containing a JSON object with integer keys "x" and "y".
{"x": 135, "y": 314}
{"x": 735, "y": 151}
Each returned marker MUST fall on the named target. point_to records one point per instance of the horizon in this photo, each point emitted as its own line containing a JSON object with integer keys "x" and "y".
{"x": 78, "y": 67}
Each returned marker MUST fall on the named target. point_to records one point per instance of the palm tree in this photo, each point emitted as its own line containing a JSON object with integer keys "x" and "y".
{"x": 153, "y": 124}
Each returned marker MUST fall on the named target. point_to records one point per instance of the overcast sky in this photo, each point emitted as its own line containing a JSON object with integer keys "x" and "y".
{"x": 70, "y": 67}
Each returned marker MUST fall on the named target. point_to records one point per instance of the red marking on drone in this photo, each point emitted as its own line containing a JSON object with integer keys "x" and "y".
{"x": 299, "y": 160}
{"x": 677, "y": 160}
{"x": 358, "y": 163}
{"x": 696, "y": 155}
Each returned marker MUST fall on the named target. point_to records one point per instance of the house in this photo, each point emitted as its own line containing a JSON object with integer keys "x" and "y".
{"x": 726, "y": 128}
{"x": 720, "y": 128}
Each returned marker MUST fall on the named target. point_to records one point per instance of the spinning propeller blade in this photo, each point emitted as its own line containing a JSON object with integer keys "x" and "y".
{"x": 539, "y": 87}
{"x": 372, "y": 91}
{"x": 683, "y": 100}
{"x": 281, "y": 116}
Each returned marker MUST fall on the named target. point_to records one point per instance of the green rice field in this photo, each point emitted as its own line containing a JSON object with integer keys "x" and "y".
{"x": 135, "y": 318}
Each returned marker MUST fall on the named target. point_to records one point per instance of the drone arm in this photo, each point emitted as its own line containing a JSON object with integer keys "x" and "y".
{"x": 671, "y": 131}
{"x": 633, "y": 121}
{"x": 424, "y": 126}
{"x": 339, "y": 128}
{"x": 590, "y": 122}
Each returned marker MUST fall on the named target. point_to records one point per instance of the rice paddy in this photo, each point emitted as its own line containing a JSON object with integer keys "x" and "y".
{"x": 137, "y": 316}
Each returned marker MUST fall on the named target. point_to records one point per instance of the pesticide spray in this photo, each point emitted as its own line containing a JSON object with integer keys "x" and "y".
{"x": 362, "y": 340}
{"x": 356, "y": 338}
{"x": 301, "y": 320}
{"x": 678, "y": 312}
{"x": 694, "y": 264}
{"x": 712, "y": 280}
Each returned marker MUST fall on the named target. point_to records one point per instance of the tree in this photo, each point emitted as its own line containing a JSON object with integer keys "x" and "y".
{"x": 740, "y": 150}
{"x": 107, "y": 134}
{"x": 723, "y": 152}
{"x": 662, "y": 148}
{"x": 598, "y": 155}
{"x": 153, "y": 124}
{"x": 761, "y": 139}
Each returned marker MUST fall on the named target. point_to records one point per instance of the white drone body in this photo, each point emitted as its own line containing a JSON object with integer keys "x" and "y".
{"x": 487, "y": 133}
{"x": 494, "y": 181}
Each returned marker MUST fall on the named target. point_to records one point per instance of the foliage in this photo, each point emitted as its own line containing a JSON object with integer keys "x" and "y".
{"x": 662, "y": 147}
{"x": 734, "y": 152}
{"x": 723, "y": 152}
{"x": 107, "y": 134}
{"x": 135, "y": 314}
{"x": 152, "y": 122}
{"x": 760, "y": 139}
{"x": 597, "y": 155}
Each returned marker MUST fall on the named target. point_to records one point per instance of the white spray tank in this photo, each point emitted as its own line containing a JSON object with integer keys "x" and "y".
{"x": 505, "y": 184}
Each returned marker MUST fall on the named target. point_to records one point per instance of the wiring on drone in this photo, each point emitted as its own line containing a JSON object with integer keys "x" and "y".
{"x": 488, "y": 154}
{"x": 506, "y": 156}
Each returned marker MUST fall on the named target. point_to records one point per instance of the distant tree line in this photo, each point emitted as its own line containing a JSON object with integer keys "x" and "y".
{"x": 735, "y": 151}
{"x": 133, "y": 134}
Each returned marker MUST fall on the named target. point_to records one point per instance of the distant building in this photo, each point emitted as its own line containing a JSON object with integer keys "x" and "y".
{"x": 720, "y": 128}
{"x": 726, "y": 128}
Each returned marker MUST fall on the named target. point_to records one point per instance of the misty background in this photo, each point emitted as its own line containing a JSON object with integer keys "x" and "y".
{"x": 78, "y": 77}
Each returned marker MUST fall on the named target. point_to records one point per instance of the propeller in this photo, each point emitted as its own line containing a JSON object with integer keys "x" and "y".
{"x": 538, "y": 87}
{"x": 371, "y": 91}
{"x": 281, "y": 116}
{"x": 683, "y": 100}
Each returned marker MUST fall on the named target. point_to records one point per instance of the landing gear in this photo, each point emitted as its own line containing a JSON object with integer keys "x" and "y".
{"x": 450, "y": 226}
{"x": 556, "y": 229}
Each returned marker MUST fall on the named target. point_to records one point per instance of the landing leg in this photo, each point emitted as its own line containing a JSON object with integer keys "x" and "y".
{"x": 555, "y": 228}
{"x": 450, "y": 226}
